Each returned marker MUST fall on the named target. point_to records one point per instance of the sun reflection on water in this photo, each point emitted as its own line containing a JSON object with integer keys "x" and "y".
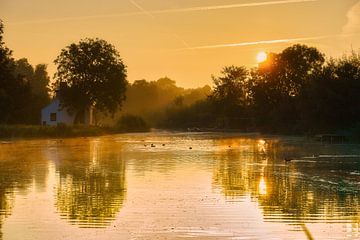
{"x": 262, "y": 186}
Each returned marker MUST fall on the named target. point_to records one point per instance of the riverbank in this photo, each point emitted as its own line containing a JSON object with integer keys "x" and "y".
{"x": 65, "y": 131}
{"x": 59, "y": 131}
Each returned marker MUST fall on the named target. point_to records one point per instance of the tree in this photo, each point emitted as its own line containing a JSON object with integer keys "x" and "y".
{"x": 230, "y": 94}
{"x": 37, "y": 77}
{"x": 332, "y": 100}
{"x": 278, "y": 85}
{"x": 91, "y": 74}
{"x": 14, "y": 89}
{"x": 149, "y": 99}
{"x": 38, "y": 81}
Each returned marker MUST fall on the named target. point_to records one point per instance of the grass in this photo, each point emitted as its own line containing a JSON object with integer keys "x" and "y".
{"x": 37, "y": 131}
{"x": 62, "y": 130}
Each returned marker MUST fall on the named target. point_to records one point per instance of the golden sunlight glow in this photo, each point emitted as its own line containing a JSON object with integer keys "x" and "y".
{"x": 262, "y": 186}
{"x": 262, "y": 146}
{"x": 261, "y": 57}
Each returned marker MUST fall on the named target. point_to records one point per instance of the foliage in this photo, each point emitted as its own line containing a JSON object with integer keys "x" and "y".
{"x": 38, "y": 81}
{"x": 230, "y": 94}
{"x": 91, "y": 73}
{"x": 332, "y": 99}
{"x": 150, "y": 99}
{"x": 294, "y": 91}
{"x": 278, "y": 84}
{"x": 131, "y": 123}
{"x": 61, "y": 130}
{"x": 198, "y": 114}
{"x": 14, "y": 90}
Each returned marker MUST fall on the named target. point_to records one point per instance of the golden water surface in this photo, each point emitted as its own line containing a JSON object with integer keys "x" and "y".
{"x": 179, "y": 185}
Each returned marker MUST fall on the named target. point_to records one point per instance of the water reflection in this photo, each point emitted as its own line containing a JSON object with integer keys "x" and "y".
{"x": 225, "y": 187}
{"x": 311, "y": 188}
{"x": 18, "y": 173}
{"x": 90, "y": 187}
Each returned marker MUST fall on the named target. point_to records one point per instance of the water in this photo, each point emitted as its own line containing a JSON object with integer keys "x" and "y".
{"x": 226, "y": 187}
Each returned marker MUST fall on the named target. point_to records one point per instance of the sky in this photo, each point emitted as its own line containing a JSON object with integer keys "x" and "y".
{"x": 185, "y": 40}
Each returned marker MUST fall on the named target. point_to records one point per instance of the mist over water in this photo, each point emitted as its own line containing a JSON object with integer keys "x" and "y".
{"x": 175, "y": 185}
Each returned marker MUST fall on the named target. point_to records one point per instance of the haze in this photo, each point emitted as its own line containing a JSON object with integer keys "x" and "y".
{"x": 182, "y": 39}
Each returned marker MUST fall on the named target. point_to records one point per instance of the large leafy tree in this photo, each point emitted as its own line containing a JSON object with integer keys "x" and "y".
{"x": 91, "y": 73}
{"x": 279, "y": 84}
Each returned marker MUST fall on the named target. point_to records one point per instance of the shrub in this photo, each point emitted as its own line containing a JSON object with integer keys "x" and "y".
{"x": 131, "y": 123}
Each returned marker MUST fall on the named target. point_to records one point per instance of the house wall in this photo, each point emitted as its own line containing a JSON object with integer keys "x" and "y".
{"x": 62, "y": 116}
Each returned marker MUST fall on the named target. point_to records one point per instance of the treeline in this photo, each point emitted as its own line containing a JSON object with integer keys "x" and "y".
{"x": 153, "y": 100}
{"x": 295, "y": 91}
{"x": 23, "y": 88}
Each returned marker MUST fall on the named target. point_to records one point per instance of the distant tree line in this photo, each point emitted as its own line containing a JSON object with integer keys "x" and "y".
{"x": 151, "y": 100}
{"x": 23, "y": 88}
{"x": 295, "y": 91}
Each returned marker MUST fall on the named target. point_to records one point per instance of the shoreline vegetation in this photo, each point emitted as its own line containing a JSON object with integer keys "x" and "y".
{"x": 127, "y": 124}
{"x": 60, "y": 131}
{"x": 20, "y": 132}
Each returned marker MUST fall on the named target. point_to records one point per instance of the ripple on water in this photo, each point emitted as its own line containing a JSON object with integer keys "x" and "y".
{"x": 225, "y": 187}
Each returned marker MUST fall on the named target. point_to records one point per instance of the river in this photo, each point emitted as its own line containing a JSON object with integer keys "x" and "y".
{"x": 164, "y": 185}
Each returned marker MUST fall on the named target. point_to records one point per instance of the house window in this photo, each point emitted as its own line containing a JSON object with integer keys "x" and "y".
{"x": 53, "y": 117}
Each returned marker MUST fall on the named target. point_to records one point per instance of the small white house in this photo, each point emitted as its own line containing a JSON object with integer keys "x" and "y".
{"x": 53, "y": 114}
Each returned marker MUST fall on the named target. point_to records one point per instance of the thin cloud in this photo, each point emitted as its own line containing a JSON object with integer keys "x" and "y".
{"x": 229, "y": 6}
{"x": 69, "y": 19}
{"x": 263, "y": 42}
{"x": 153, "y": 17}
{"x": 353, "y": 20}
{"x": 177, "y": 10}
{"x": 141, "y": 9}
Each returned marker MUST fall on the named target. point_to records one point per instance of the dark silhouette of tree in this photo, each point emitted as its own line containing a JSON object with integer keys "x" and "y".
{"x": 38, "y": 81}
{"x": 199, "y": 114}
{"x": 332, "y": 100}
{"x": 230, "y": 94}
{"x": 278, "y": 84}
{"x": 294, "y": 91}
{"x": 14, "y": 89}
{"x": 91, "y": 73}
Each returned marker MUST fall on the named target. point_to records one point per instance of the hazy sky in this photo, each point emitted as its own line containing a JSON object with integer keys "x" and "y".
{"x": 186, "y": 40}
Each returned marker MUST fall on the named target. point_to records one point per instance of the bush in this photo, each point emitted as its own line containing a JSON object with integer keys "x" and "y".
{"x": 131, "y": 123}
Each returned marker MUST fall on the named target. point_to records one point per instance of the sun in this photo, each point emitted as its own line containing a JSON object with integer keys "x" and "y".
{"x": 261, "y": 57}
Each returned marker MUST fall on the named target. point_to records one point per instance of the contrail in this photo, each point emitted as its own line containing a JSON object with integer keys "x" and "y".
{"x": 141, "y": 9}
{"x": 153, "y": 17}
{"x": 176, "y": 10}
{"x": 243, "y": 44}
{"x": 286, "y": 40}
{"x": 240, "y": 5}
{"x": 68, "y": 19}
